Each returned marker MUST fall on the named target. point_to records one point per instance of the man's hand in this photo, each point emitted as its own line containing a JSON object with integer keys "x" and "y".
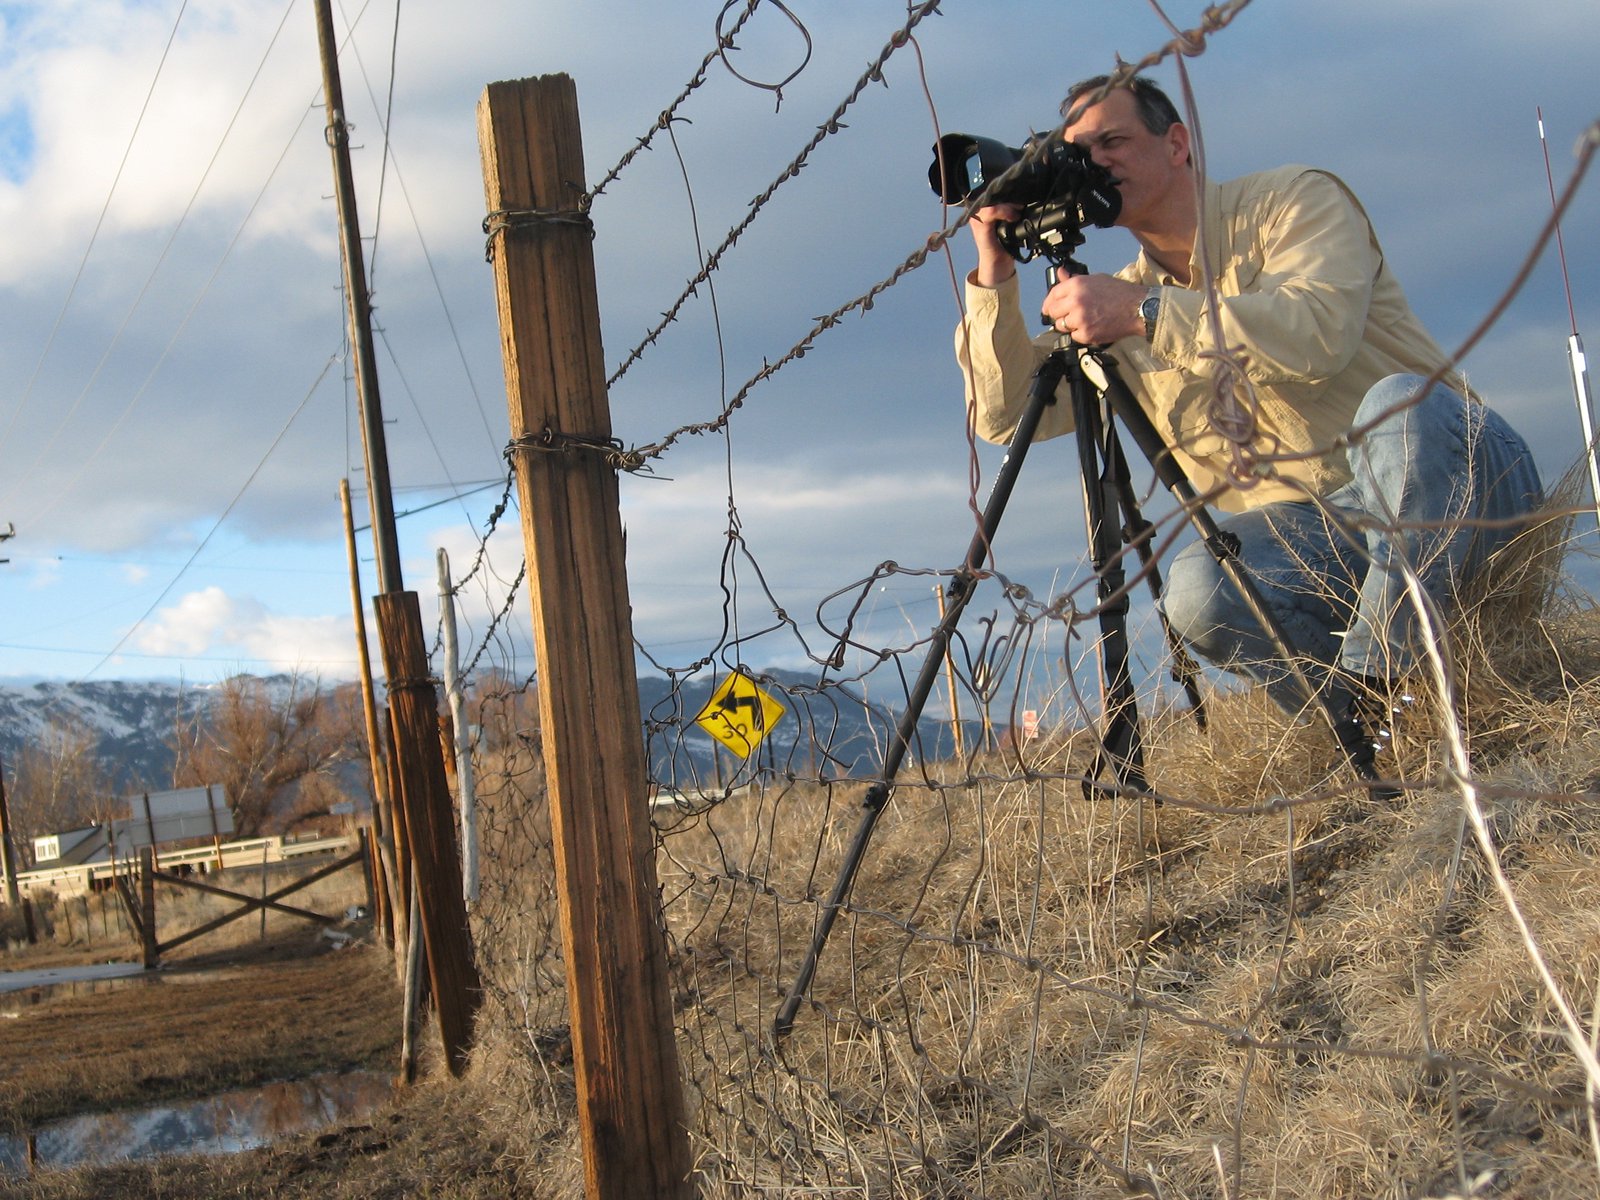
{"x": 995, "y": 266}
{"x": 1095, "y": 310}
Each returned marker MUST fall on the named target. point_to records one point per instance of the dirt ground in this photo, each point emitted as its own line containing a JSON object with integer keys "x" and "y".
{"x": 289, "y": 1007}
{"x": 429, "y": 1143}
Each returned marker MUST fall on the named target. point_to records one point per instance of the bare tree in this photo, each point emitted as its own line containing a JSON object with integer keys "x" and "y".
{"x": 261, "y": 746}
{"x": 59, "y": 782}
{"x": 505, "y": 711}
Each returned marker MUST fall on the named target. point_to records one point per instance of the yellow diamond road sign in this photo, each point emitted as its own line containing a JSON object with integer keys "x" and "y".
{"x": 739, "y": 714}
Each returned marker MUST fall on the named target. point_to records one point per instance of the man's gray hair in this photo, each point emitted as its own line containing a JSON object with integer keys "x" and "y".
{"x": 1156, "y": 110}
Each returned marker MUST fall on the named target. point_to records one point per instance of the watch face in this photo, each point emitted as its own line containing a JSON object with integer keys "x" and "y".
{"x": 1150, "y": 309}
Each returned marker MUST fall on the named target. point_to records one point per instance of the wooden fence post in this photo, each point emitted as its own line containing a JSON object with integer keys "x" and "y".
{"x": 369, "y": 870}
{"x": 8, "y": 854}
{"x": 147, "y": 908}
{"x": 630, "y": 1097}
{"x": 391, "y": 894}
{"x": 424, "y": 799}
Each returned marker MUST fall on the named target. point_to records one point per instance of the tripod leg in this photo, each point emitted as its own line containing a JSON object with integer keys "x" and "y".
{"x": 1041, "y": 395}
{"x": 1121, "y": 746}
{"x": 1136, "y": 532}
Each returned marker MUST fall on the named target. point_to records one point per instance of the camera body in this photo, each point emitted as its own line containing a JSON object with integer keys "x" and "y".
{"x": 1055, "y": 183}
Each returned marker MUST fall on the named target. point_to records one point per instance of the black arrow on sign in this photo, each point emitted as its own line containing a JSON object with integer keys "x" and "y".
{"x": 753, "y": 703}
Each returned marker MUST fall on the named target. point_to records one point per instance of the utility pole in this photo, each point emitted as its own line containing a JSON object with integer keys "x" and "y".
{"x": 418, "y": 776}
{"x": 9, "y": 533}
{"x": 380, "y": 496}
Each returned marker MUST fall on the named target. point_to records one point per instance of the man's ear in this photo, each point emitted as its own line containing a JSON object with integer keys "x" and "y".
{"x": 1178, "y": 142}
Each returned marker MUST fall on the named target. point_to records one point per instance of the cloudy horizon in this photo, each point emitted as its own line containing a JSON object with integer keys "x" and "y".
{"x": 175, "y": 412}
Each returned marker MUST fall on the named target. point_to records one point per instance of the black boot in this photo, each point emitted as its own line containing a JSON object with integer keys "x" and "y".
{"x": 1364, "y": 710}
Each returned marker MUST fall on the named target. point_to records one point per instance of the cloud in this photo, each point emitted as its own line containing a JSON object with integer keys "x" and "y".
{"x": 176, "y": 367}
{"x": 212, "y": 624}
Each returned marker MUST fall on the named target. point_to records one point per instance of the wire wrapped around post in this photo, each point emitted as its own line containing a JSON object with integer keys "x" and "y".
{"x": 549, "y": 441}
{"x": 505, "y": 220}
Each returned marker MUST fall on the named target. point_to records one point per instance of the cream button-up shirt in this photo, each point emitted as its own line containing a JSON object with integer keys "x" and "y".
{"x": 1253, "y": 391}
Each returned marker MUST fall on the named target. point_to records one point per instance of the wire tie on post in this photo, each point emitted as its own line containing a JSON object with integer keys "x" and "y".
{"x": 503, "y": 220}
{"x": 610, "y": 450}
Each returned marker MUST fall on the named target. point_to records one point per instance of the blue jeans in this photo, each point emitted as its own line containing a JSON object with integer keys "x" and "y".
{"x": 1329, "y": 570}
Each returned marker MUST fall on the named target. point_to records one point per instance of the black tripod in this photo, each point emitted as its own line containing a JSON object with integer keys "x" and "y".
{"x": 1096, "y": 408}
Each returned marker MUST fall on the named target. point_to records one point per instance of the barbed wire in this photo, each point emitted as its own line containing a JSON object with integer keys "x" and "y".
{"x": 833, "y": 125}
{"x": 1190, "y": 42}
{"x": 1250, "y": 978}
{"x": 669, "y": 114}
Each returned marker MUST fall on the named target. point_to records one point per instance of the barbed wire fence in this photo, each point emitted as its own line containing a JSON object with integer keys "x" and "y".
{"x": 1253, "y": 980}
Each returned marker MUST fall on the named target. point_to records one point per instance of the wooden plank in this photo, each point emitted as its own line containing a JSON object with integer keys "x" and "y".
{"x": 147, "y": 905}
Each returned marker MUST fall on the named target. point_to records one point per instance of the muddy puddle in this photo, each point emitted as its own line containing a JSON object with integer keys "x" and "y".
{"x": 22, "y": 990}
{"x": 221, "y": 1124}
{"x": 27, "y": 989}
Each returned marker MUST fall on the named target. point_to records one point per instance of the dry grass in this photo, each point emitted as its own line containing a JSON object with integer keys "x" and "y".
{"x": 282, "y": 1009}
{"x": 1059, "y": 994}
{"x": 1267, "y": 985}
{"x": 1270, "y": 984}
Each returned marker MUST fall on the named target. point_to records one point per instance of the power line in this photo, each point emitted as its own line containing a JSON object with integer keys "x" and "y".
{"x": 27, "y": 391}
{"x": 150, "y": 278}
{"x": 166, "y": 591}
{"x": 227, "y": 658}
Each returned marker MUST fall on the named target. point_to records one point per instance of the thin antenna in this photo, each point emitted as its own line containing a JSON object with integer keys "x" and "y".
{"x": 1575, "y": 358}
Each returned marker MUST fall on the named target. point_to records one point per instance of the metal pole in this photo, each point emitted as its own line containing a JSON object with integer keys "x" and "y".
{"x": 962, "y": 585}
{"x": 1575, "y": 360}
{"x": 463, "y": 744}
{"x": 1585, "y": 399}
{"x": 950, "y": 683}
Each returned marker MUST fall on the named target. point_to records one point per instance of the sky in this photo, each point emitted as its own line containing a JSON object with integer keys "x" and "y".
{"x": 176, "y": 409}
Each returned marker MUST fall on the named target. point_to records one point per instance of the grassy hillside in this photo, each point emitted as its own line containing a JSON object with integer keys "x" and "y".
{"x": 1262, "y": 982}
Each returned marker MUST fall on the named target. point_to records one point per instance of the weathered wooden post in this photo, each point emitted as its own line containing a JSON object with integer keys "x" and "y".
{"x": 392, "y": 917}
{"x": 369, "y": 869}
{"x": 630, "y": 1099}
{"x": 147, "y": 909}
{"x": 417, "y": 781}
{"x": 424, "y": 796}
{"x": 8, "y": 854}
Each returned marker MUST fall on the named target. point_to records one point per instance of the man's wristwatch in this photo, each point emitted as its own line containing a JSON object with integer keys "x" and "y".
{"x": 1149, "y": 310}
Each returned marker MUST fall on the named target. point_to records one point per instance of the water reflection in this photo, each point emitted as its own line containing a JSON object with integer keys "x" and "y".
{"x": 14, "y": 1000}
{"x": 21, "y": 988}
{"x": 217, "y": 1125}
{"x": 60, "y": 985}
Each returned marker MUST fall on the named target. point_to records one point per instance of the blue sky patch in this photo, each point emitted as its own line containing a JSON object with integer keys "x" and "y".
{"x": 16, "y": 144}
